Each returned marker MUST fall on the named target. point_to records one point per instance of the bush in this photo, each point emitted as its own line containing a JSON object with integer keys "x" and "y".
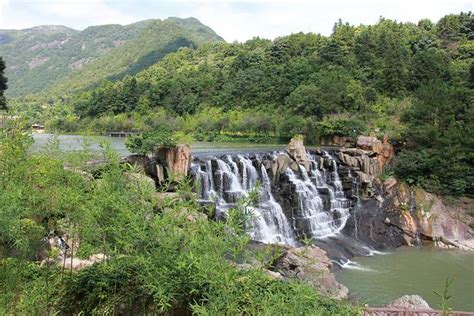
{"x": 150, "y": 141}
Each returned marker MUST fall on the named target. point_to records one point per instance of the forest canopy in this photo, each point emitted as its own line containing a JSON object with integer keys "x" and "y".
{"x": 410, "y": 81}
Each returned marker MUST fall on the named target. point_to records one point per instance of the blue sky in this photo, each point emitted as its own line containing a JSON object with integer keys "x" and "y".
{"x": 233, "y": 20}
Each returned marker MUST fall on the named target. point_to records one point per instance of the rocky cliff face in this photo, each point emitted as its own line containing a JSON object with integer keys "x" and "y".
{"x": 423, "y": 217}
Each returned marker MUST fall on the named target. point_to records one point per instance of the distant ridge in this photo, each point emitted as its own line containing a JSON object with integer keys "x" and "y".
{"x": 65, "y": 60}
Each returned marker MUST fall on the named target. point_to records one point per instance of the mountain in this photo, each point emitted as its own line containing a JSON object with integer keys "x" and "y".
{"x": 64, "y": 60}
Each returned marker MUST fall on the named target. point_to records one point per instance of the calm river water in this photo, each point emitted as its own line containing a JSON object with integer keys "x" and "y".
{"x": 379, "y": 279}
{"x": 76, "y": 142}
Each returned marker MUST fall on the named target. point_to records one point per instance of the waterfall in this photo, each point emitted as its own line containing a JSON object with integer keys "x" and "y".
{"x": 267, "y": 221}
{"x": 311, "y": 203}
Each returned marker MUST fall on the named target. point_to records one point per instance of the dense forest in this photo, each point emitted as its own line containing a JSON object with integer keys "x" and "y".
{"x": 412, "y": 82}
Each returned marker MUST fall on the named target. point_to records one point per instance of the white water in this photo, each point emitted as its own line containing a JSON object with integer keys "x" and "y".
{"x": 235, "y": 177}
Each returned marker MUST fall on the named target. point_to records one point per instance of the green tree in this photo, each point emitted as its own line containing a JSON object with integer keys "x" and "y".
{"x": 3, "y": 85}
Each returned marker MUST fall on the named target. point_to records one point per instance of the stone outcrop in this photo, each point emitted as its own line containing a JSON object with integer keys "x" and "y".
{"x": 279, "y": 166}
{"x": 311, "y": 264}
{"x": 383, "y": 150}
{"x": 423, "y": 217}
{"x": 367, "y": 142}
{"x": 410, "y": 302}
{"x": 368, "y": 160}
{"x": 297, "y": 151}
{"x": 364, "y": 165}
{"x": 338, "y": 141}
{"x": 176, "y": 161}
{"x": 166, "y": 164}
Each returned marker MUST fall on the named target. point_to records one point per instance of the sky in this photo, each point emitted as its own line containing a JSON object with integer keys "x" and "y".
{"x": 233, "y": 20}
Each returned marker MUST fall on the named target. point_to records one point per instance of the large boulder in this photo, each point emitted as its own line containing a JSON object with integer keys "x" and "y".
{"x": 297, "y": 151}
{"x": 311, "y": 264}
{"x": 410, "y": 302}
{"x": 141, "y": 180}
{"x": 142, "y": 162}
{"x": 383, "y": 150}
{"x": 437, "y": 219}
{"x": 176, "y": 160}
{"x": 367, "y": 142}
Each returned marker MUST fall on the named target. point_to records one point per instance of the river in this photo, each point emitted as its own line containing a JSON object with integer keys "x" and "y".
{"x": 77, "y": 142}
{"x": 379, "y": 279}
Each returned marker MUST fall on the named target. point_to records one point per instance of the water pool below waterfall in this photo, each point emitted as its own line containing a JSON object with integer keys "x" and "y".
{"x": 380, "y": 279}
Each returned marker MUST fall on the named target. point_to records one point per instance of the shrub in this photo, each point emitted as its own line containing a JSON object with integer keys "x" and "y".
{"x": 149, "y": 141}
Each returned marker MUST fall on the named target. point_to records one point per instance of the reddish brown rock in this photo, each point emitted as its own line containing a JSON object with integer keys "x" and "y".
{"x": 385, "y": 152}
{"x": 367, "y": 142}
{"x": 176, "y": 160}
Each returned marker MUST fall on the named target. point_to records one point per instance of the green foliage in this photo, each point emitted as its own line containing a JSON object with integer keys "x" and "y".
{"x": 440, "y": 133}
{"x": 148, "y": 142}
{"x": 445, "y": 297}
{"x": 340, "y": 126}
{"x": 158, "y": 261}
{"x": 3, "y": 85}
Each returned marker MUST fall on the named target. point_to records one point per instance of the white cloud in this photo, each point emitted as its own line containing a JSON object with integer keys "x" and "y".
{"x": 98, "y": 11}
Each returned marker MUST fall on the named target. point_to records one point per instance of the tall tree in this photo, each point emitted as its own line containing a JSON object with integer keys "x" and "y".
{"x": 3, "y": 85}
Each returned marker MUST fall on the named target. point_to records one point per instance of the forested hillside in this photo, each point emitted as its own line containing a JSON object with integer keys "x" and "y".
{"x": 69, "y": 60}
{"x": 412, "y": 82}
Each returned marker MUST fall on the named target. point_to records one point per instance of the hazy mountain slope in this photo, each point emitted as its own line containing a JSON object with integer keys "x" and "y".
{"x": 65, "y": 60}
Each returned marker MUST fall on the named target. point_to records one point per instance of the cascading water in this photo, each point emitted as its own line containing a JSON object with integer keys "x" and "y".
{"x": 318, "y": 204}
{"x": 267, "y": 221}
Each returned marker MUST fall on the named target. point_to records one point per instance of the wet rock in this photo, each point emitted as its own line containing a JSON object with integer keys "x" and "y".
{"x": 281, "y": 163}
{"x": 410, "y": 301}
{"x": 312, "y": 265}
